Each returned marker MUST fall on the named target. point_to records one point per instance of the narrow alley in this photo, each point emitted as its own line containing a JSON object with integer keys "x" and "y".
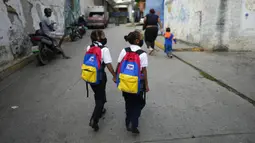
{"x": 48, "y": 104}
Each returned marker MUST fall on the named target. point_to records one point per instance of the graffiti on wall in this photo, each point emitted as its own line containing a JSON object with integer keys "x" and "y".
{"x": 183, "y": 15}
{"x": 248, "y": 17}
{"x": 177, "y": 11}
{"x": 168, "y": 4}
{"x": 250, "y": 5}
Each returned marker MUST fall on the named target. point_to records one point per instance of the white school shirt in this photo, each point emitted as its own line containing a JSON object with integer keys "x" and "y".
{"x": 106, "y": 56}
{"x": 134, "y": 48}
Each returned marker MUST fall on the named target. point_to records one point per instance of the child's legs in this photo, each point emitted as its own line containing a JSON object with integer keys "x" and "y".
{"x": 170, "y": 49}
{"x": 133, "y": 109}
{"x": 167, "y": 48}
{"x": 136, "y": 112}
{"x": 128, "y": 107}
{"x": 100, "y": 99}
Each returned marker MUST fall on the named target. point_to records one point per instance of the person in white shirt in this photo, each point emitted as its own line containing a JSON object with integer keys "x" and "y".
{"x": 98, "y": 38}
{"x": 47, "y": 27}
{"x": 135, "y": 103}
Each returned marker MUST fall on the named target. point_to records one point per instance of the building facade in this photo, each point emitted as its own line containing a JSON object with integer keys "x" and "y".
{"x": 218, "y": 24}
{"x": 21, "y": 17}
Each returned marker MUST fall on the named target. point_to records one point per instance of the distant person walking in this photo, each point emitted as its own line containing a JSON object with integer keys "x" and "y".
{"x": 169, "y": 38}
{"x": 151, "y": 22}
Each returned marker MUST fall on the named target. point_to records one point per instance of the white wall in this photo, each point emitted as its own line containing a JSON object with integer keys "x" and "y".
{"x": 197, "y": 21}
{"x": 241, "y": 29}
{"x": 84, "y": 4}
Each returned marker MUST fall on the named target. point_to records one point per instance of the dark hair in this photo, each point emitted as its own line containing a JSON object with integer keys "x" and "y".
{"x": 168, "y": 29}
{"x": 152, "y": 11}
{"x": 47, "y": 11}
{"x": 132, "y": 37}
{"x": 97, "y": 35}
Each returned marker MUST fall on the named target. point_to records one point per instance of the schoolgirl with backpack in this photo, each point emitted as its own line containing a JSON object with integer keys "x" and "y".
{"x": 132, "y": 79}
{"x": 97, "y": 57}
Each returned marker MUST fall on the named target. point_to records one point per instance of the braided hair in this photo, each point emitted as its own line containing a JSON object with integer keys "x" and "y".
{"x": 132, "y": 37}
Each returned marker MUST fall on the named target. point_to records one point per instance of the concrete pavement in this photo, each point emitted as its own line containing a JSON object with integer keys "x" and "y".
{"x": 235, "y": 69}
{"x": 182, "y": 106}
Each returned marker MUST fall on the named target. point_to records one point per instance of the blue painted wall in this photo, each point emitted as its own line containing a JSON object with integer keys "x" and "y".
{"x": 158, "y": 5}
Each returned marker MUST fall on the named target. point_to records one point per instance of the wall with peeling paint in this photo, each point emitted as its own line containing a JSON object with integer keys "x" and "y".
{"x": 182, "y": 16}
{"x": 212, "y": 24}
{"x": 18, "y": 19}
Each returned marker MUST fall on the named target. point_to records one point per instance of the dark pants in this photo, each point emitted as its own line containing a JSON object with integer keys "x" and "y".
{"x": 134, "y": 104}
{"x": 100, "y": 98}
{"x": 151, "y": 34}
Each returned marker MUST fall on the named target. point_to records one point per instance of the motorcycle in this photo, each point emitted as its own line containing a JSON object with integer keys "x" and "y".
{"x": 75, "y": 32}
{"x": 82, "y": 29}
{"x": 44, "y": 47}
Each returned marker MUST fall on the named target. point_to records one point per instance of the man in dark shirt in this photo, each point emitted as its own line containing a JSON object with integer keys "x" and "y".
{"x": 82, "y": 20}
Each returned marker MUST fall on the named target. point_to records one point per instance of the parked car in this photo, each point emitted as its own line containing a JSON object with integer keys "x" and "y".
{"x": 97, "y": 17}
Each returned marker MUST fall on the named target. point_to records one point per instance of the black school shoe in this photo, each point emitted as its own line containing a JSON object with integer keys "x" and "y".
{"x": 93, "y": 125}
{"x": 135, "y": 131}
{"x": 129, "y": 129}
{"x": 103, "y": 113}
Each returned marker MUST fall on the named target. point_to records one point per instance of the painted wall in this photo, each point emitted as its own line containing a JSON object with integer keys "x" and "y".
{"x": 241, "y": 26}
{"x": 18, "y": 19}
{"x": 21, "y": 17}
{"x": 157, "y": 6}
{"x": 218, "y": 24}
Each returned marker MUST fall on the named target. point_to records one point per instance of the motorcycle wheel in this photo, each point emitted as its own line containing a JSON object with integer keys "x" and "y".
{"x": 79, "y": 34}
{"x": 72, "y": 37}
{"x": 42, "y": 57}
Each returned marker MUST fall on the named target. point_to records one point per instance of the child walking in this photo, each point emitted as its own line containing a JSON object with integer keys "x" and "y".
{"x": 132, "y": 79}
{"x": 169, "y": 38}
{"x": 93, "y": 72}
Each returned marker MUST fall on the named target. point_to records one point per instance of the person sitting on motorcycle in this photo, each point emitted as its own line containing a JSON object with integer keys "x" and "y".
{"x": 82, "y": 21}
{"x": 49, "y": 30}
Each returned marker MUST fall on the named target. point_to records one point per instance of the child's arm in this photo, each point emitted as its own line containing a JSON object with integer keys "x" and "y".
{"x": 116, "y": 71}
{"x": 144, "y": 72}
{"x": 108, "y": 62}
{"x": 144, "y": 64}
{"x": 174, "y": 39}
{"x": 110, "y": 68}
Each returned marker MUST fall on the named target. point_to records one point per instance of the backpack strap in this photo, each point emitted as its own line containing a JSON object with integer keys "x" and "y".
{"x": 139, "y": 52}
{"x": 128, "y": 49}
{"x": 98, "y": 44}
{"x": 87, "y": 88}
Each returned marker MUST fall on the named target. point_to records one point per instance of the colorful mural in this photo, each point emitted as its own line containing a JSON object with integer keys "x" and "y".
{"x": 248, "y": 17}
{"x": 177, "y": 11}
{"x": 157, "y": 5}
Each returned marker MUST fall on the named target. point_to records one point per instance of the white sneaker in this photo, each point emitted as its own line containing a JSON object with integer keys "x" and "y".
{"x": 150, "y": 49}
